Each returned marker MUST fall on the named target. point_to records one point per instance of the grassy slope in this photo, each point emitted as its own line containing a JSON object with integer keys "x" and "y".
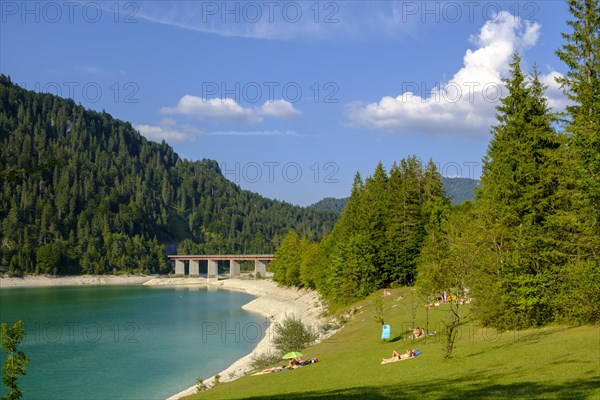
{"x": 548, "y": 363}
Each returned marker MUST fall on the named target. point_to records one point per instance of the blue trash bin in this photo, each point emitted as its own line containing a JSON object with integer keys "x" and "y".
{"x": 385, "y": 332}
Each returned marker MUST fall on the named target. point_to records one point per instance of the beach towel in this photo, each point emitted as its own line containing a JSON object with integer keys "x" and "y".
{"x": 271, "y": 371}
{"x": 400, "y": 359}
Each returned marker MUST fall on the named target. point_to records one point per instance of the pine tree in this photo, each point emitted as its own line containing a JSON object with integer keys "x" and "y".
{"x": 308, "y": 264}
{"x": 519, "y": 183}
{"x": 581, "y": 83}
{"x": 375, "y": 217}
{"x": 577, "y": 225}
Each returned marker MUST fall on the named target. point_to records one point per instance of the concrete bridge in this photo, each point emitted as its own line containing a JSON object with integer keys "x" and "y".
{"x": 212, "y": 270}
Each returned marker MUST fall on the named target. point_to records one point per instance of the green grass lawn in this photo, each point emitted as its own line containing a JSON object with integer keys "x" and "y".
{"x": 550, "y": 363}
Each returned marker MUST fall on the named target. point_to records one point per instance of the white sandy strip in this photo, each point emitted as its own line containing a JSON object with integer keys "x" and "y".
{"x": 275, "y": 303}
{"x": 46, "y": 281}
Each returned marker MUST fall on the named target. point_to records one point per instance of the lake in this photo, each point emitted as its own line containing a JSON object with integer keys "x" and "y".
{"x": 126, "y": 342}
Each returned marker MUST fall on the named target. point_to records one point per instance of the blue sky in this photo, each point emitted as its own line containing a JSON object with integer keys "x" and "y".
{"x": 290, "y": 97}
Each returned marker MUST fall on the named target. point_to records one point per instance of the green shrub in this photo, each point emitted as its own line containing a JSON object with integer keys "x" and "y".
{"x": 292, "y": 335}
{"x": 200, "y": 385}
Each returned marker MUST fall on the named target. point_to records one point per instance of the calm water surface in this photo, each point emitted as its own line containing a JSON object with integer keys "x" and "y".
{"x": 126, "y": 342}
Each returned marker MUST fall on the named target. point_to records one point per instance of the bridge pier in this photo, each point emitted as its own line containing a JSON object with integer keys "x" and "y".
{"x": 194, "y": 268}
{"x": 260, "y": 268}
{"x": 234, "y": 269}
{"x": 212, "y": 273}
{"x": 179, "y": 267}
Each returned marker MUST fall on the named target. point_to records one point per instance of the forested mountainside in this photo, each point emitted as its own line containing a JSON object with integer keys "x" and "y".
{"x": 82, "y": 192}
{"x": 330, "y": 204}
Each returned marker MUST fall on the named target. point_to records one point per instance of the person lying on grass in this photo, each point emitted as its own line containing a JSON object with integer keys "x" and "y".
{"x": 297, "y": 362}
{"x": 293, "y": 364}
{"x": 398, "y": 357}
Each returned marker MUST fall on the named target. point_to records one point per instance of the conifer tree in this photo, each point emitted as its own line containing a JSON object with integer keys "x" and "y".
{"x": 375, "y": 215}
{"x": 286, "y": 263}
{"x": 577, "y": 224}
{"x": 516, "y": 198}
{"x": 581, "y": 83}
{"x": 309, "y": 253}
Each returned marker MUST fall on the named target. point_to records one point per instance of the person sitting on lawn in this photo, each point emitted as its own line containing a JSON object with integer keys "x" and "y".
{"x": 294, "y": 362}
{"x": 398, "y": 357}
{"x": 417, "y": 333}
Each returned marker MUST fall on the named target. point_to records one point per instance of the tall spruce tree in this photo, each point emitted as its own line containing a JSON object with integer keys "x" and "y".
{"x": 375, "y": 216}
{"x": 577, "y": 225}
{"x": 519, "y": 183}
{"x": 581, "y": 84}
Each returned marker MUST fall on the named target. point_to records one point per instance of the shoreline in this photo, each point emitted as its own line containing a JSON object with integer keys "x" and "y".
{"x": 273, "y": 302}
{"x": 34, "y": 281}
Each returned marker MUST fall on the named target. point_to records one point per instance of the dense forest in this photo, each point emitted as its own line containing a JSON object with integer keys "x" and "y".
{"x": 81, "y": 192}
{"x": 458, "y": 191}
{"x": 376, "y": 242}
{"x": 527, "y": 249}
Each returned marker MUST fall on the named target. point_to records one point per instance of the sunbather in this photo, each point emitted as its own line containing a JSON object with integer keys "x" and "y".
{"x": 294, "y": 362}
{"x": 398, "y": 357}
{"x": 270, "y": 370}
{"x": 417, "y": 333}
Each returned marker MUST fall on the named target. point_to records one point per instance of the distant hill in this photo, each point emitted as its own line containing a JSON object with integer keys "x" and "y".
{"x": 457, "y": 189}
{"x": 460, "y": 189}
{"x": 83, "y": 192}
{"x": 329, "y": 204}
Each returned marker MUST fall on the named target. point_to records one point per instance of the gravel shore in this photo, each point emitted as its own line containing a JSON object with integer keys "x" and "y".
{"x": 46, "y": 281}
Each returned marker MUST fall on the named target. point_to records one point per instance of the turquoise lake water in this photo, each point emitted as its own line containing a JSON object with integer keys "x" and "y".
{"x": 126, "y": 342}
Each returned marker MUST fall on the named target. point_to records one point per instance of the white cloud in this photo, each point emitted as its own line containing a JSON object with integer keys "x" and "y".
{"x": 230, "y": 110}
{"x": 279, "y": 109}
{"x": 158, "y": 133}
{"x": 465, "y": 105}
{"x": 556, "y": 98}
{"x": 221, "y": 109}
{"x": 168, "y": 130}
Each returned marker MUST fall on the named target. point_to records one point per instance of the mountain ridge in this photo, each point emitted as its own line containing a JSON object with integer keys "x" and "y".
{"x": 83, "y": 192}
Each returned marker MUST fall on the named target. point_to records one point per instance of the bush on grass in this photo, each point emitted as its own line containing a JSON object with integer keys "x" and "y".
{"x": 292, "y": 335}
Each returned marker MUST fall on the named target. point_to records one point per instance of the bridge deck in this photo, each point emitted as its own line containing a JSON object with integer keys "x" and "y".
{"x": 218, "y": 257}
